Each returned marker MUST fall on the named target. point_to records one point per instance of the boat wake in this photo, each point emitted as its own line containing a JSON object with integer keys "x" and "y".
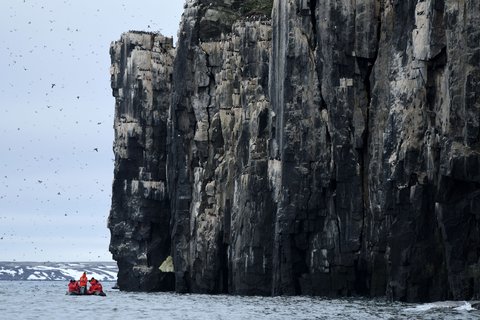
{"x": 455, "y": 305}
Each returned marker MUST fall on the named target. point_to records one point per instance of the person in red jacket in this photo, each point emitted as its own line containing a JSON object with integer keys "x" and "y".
{"x": 95, "y": 287}
{"x": 83, "y": 283}
{"x": 73, "y": 287}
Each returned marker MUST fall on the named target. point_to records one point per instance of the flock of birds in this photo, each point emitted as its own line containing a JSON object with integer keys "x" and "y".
{"x": 47, "y": 143}
{"x": 56, "y": 168}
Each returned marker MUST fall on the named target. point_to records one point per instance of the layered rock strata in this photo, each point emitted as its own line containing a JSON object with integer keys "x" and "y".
{"x": 331, "y": 148}
{"x": 139, "y": 220}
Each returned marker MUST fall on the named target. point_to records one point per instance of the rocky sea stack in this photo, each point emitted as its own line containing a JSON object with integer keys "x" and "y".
{"x": 301, "y": 147}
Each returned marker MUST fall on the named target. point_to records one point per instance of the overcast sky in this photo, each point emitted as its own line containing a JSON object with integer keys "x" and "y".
{"x": 56, "y": 111}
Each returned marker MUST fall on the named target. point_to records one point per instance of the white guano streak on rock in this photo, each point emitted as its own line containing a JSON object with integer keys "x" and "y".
{"x": 275, "y": 177}
{"x": 421, "y": 35}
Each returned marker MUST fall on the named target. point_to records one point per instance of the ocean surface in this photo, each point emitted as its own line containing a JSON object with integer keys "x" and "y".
{"x": 47, "y": 300}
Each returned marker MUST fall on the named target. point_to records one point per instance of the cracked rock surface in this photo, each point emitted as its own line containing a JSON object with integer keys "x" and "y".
{"x": 330, "y": 148}
{"x": 139, "y": 218}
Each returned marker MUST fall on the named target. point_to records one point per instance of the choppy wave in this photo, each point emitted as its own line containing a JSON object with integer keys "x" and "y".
{"x": 46, "y": 296}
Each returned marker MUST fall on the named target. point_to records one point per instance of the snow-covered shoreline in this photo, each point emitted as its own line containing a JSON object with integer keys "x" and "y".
{"x": 57, "y": 271}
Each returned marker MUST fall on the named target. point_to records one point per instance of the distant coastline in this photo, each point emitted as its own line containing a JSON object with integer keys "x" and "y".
{"x": 56, "y": 271}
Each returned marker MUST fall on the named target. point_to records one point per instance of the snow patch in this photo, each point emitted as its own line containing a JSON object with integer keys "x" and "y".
{"x": 10, "y": 272}
{"x": 103, "y": 271}
{"x": 34, "y": 276}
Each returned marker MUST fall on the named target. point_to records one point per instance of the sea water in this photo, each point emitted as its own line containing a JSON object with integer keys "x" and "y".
{"x": 47, "y": 300}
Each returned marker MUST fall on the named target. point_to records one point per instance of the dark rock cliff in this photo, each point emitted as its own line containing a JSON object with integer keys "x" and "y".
{"x": 327, "y": 148}
{"x": 139, "y": 219}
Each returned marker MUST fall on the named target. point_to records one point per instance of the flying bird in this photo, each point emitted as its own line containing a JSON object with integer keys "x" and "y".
{"x": 96, "y": 149}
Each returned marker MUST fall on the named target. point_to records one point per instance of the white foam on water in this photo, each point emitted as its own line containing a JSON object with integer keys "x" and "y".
{"x": 421, "y": 308}
{"x": 465, "y": 307}
{"x": 456, "y": 305}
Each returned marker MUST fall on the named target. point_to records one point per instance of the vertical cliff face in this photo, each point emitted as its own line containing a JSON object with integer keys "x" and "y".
{"x": 424, "y": 149}
{"x": 320, "y": 102}
{"x": 330, "y": 148}
{"x": 139, "y": 220}
{"x": 396, "y": 122}
{"x": 218, "y": 166}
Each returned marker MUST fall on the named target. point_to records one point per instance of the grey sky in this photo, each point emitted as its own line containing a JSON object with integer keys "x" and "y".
{"x": 55, "y": 109}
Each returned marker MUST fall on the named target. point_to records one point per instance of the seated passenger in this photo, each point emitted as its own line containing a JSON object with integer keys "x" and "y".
{"x": 95, "y": 287}
{"x": 73, "y": 287}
